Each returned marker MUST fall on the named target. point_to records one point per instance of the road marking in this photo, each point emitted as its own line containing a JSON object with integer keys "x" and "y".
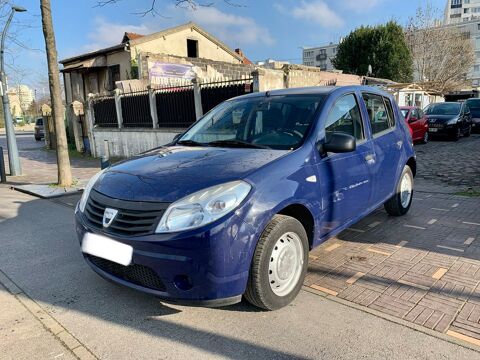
{"x": 431, "y": 222}
{"x": 356, "y": 230}
{"x": 405, "y": 282}
{"x": 439, "y": 273}
{"x": 469, "y": 241}
{"x": 375, "y": 223}
{"x": 455, "y": 205}
{"x": 402, "y": 243}
{"x": 471, "y": 223}
{"x": 332, "y": 247}
{"x": 415, "y": 227}
{"x": 438, "y": 209}
{"x": 325, "y": 290}
{"x": 379, "y": 252}
{"x": 355, "y": 277}
{"x": 450, "y": 248}
{"x": 466, "y": 338}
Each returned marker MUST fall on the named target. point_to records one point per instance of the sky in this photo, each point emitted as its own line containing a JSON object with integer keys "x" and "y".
{"x": 276, "y": 29}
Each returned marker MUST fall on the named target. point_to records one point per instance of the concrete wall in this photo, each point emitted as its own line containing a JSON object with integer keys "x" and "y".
{"x": 204, "y": 68}
{"x": 176, "y": 44}
{"x": 128, "y": 142}
{"x": 293, "y": 76}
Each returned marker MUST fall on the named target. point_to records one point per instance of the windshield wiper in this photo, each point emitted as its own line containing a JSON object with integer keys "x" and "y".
{"x": 190, "y": 143}
{"x": 237, "y": 143}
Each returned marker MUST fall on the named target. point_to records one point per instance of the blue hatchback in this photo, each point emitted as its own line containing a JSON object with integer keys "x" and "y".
{"x": 232, "y": 207}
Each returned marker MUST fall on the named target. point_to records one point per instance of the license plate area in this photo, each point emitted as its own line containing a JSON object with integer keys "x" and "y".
{"x": 106, "y": 248}
{"x": 432, "y": 129}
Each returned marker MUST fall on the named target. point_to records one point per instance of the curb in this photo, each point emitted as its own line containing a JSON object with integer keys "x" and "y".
{"x": 69, "y": 341}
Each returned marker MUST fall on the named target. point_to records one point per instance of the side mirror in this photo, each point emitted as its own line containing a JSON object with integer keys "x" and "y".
{"x": 176, "y": 137}
{"x": 338, "y": 143}
{"x": 412, "y": 119}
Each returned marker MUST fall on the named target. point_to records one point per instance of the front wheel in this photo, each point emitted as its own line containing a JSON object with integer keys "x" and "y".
{"x": 469, "y": 131}
{"x": 456, "y": 135}
{"x": 400, "y": 202}
{"x": 425, "y": 138}
{"x": 279, "y": 264}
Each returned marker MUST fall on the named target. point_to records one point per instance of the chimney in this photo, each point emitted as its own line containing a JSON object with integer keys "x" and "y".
{"x": 239, "y": 52}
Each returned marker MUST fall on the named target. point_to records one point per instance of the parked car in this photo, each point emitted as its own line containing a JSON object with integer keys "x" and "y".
{"x": 232, "y": 206}
{"x": 417, "y": 122}
{"x": 39, "y": 129}
{"x": 452, "y": 119}
{"x": 474, "y": 106}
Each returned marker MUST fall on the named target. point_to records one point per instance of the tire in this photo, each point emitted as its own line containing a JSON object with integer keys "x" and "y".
{"x": 457, "y": 134}
{"x": 260, "y": 291}
{"x": 425, "y": 138}
{"x": 38, "y": 138}
{"x": 395, "y": 206}
{"x": 469, "y": 131}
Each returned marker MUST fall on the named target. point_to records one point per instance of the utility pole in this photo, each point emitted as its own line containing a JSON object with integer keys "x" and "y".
{"x": 13, "y": 157}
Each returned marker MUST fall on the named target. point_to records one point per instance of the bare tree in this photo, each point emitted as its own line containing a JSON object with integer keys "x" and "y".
{"x": 443, "y": 55}
{"x": 63, "y": 160}
{"x": 151, "y": 5}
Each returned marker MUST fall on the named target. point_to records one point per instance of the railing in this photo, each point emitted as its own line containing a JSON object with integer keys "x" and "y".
{"x": 104, "y": 111}
{"x": 175, "y": 106}
{"x": 136, "y": 110}
{"x": 214, "y": 93}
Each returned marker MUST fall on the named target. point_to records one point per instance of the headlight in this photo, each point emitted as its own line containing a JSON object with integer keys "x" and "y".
{"x": 452, "y": 121}
{"x": 203, "y": 207}
{"x": 88, "y": 188}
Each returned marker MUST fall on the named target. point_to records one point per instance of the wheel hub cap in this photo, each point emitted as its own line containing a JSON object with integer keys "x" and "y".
{"x": 286, "y": 263}
{"x": 405, "y": 190}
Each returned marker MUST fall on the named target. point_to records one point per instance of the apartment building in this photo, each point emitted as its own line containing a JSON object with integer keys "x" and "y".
{"x": 320, "y": 56}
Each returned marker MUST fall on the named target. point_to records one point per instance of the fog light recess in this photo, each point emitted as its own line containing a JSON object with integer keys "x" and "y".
{"x": 183, "y": 282}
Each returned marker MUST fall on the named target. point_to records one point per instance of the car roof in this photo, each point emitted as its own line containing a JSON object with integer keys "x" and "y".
{"x": 314, "y": 90}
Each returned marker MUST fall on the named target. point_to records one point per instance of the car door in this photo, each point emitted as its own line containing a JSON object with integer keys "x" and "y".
{"x": 386, "y": 142}
{"x": 345, "y": 178}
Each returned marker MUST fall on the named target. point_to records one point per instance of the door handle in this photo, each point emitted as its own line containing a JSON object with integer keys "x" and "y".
{"x": 370, "y": 159}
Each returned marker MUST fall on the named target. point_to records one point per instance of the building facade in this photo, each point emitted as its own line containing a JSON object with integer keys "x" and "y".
{"x": 458, "y": 11}
{"x": 320, "y": 56}
{"x": 21, "y": 98}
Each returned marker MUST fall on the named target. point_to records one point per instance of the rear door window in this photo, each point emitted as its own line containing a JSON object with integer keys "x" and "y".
{"x": 380, "y": 115}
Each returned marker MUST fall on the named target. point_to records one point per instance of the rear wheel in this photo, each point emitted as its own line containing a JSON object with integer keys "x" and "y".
{"x": 400, "y": 202}
{"x": 279, "y": 264}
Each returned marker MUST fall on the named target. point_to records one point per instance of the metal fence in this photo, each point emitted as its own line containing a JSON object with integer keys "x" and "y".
{"x": 104, "y": 111}
{"x": 136, "y": 110}
{"x": 175, "y": 106}
{"x": 215, "y": 93}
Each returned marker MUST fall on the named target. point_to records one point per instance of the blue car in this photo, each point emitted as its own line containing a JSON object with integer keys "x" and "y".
{"x": 232, "y": 206}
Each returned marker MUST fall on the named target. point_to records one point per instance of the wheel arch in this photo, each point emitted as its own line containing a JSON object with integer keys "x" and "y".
{"x": 301, "y": 213}
{"x": 412, "y": 163}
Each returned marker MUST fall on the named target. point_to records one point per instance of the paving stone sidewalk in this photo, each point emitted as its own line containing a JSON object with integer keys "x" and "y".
{"x": 423, "y": 268}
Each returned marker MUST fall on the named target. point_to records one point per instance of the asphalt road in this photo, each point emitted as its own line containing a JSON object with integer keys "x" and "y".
{"x": 40, "y": 253}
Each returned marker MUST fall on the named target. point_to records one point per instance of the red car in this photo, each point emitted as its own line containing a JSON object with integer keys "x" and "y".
{"x": 417, "y": 122}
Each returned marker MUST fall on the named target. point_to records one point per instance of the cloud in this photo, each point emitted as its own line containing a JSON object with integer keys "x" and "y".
{"x": 360, "y": 6}
{"x": 317, "y": 12}
{"x": 233, "y": 29}
{"x": 107, "y": 33}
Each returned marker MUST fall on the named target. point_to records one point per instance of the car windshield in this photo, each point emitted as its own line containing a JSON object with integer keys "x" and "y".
{"x": 443, "y": 109}
{"x": 405, "y": 112}
{"x": 275, "y": 122}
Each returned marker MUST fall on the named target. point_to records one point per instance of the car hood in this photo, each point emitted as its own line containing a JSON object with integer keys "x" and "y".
{"x": 170, "y": 173}
{"x": 440, "y": 119}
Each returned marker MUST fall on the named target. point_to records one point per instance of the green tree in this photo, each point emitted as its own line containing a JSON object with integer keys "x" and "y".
{"x": 383, "y": 47}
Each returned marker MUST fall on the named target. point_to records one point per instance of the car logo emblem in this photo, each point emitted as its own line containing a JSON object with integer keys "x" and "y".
{"x": 109, "y": 216}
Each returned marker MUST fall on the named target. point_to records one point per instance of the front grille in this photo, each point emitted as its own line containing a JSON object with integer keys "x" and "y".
{"x": 136, "y": 274}
{"x": 134, "y": 218}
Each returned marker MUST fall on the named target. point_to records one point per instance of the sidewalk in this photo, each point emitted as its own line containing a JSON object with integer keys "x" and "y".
{"x": 22, "y": 335}
{"x": 39, "y": 166}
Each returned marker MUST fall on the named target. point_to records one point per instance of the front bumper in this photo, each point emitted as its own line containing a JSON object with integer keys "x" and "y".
{"x": 207, "y": 267}
{"x": 443, "y": 130}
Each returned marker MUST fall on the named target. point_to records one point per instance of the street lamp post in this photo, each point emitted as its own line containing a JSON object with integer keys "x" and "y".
{"x": 13, "y": 157}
